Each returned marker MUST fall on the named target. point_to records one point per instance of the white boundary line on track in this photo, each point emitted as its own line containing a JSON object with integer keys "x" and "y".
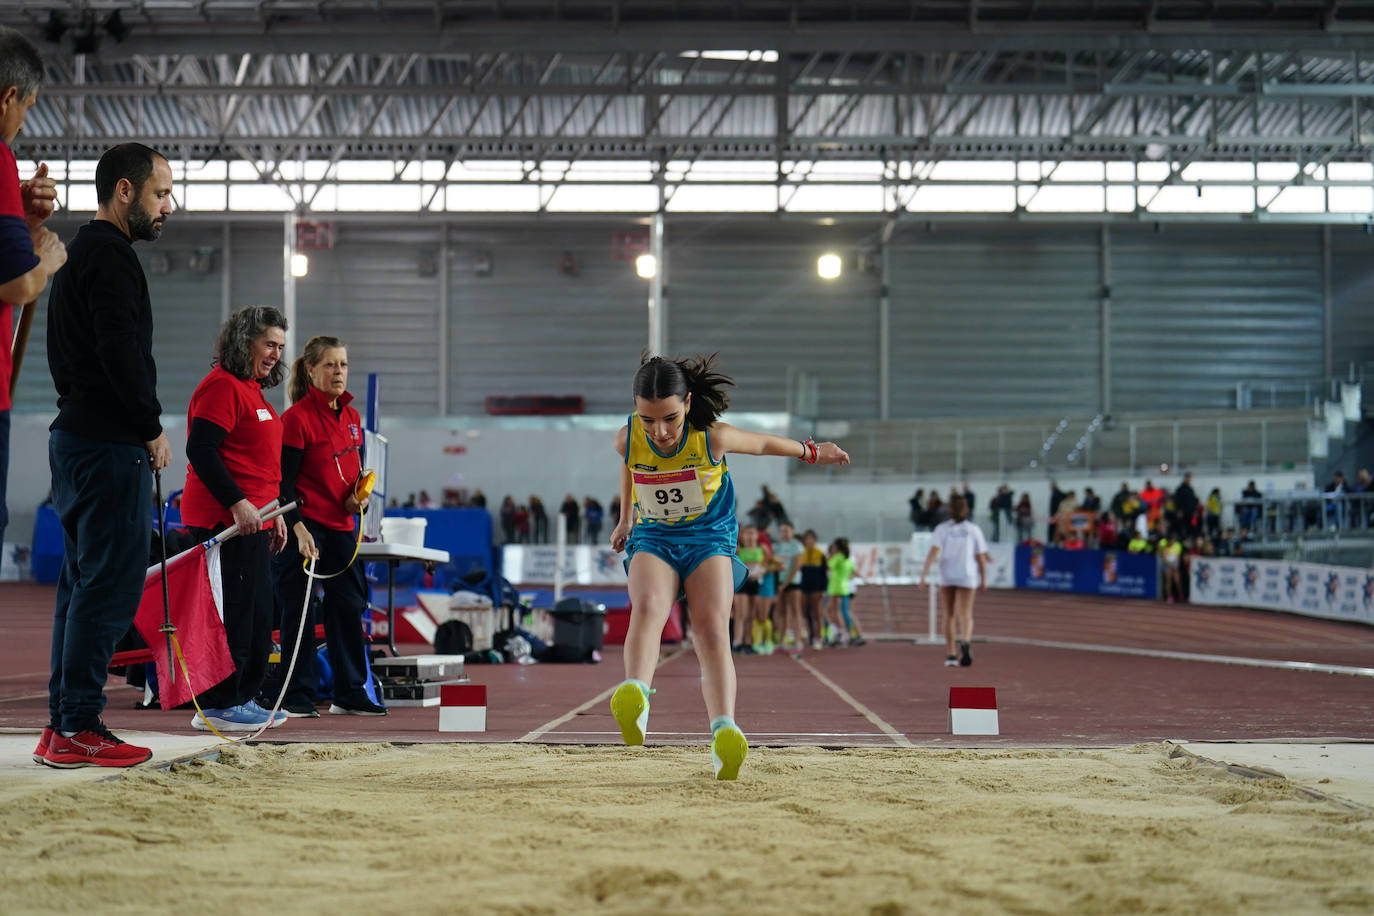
{"x": 897, "y": 737}
{"x": 26, "y": 696}
{"x": 11, "y": 677}
{"x": 753, "y": 734}
{"x": 601, "y": 697}
{"x": 1186, "y": 656}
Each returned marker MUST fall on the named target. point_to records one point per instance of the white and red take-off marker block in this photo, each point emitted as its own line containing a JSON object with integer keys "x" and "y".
{"x": 463, "y": 708}
{"x": 973, "y": 711}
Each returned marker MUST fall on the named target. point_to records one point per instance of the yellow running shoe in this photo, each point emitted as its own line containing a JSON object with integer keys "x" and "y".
{"x": 630, "y": 707}
{"x": 728, "y": 750}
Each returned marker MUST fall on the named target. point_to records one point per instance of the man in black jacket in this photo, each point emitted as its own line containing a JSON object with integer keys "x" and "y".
{"x": 102, "y": 449}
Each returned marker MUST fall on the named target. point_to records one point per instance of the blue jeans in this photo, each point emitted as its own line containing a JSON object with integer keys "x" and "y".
{"x": 102, "y": 492}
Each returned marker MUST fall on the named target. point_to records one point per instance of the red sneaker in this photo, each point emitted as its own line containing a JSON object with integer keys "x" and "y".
{"x": 44, "y": 740}
{"x": 93, "y": 747}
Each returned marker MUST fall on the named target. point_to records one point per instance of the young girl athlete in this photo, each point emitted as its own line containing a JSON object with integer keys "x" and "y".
{"x": 675, "y": 477}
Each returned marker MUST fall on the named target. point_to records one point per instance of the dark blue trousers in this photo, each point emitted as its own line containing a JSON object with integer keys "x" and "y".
{"x": 103, "y": 493}
{"x": 345, "y": 599}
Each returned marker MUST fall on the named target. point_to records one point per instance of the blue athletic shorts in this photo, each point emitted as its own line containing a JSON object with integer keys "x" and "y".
{"x": 685, "y": 557}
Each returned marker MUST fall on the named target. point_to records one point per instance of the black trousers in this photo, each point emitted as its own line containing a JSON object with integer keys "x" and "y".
{"x": 341, "y": 612}
{"x": 246, "y": 577}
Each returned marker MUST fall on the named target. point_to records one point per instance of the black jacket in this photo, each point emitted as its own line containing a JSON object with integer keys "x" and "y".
{"x": 100, "y": 340}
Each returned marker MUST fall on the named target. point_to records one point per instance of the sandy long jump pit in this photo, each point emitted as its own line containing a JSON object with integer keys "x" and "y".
{"x": 530, "y": 829}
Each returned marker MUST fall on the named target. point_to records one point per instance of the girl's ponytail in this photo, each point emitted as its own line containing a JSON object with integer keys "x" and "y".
{"x": 709, "y": 398}
{"x": 299, "y": 383}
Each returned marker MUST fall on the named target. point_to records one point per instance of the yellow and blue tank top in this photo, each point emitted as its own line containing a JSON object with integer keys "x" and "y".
{"x": 682, "y": 495}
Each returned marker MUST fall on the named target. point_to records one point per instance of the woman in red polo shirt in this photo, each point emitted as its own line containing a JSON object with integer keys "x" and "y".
{"x": 233, "y": 449}
{"x": 321, "y": 460}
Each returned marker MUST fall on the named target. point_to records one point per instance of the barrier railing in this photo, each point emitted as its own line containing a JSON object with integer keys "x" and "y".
{"x": 908, "y": 449}
{"x": 1306, "y": 513}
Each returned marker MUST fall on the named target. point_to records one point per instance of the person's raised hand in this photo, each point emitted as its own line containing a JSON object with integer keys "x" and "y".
{"x": 830, "y": 453}
{"x": 39, "y": 196}
{"x": 52, "y": 254}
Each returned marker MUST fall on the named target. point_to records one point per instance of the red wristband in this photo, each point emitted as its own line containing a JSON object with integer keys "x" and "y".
{"x": 810, "y": 453}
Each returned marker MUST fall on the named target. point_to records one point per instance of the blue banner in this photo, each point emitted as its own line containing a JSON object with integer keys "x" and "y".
{"x": 1087, "y": 572}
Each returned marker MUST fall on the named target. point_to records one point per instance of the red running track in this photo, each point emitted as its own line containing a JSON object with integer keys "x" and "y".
{"x": 886, "y": 693}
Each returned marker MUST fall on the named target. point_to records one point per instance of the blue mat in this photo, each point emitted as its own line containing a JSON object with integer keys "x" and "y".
{"x": 543, "y": 597}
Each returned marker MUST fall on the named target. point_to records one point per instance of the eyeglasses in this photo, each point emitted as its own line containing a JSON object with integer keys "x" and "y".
{"x": 344, "y": 451}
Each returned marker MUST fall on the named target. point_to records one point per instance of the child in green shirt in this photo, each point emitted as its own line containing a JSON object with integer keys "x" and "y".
{"x": 837, "y": 589}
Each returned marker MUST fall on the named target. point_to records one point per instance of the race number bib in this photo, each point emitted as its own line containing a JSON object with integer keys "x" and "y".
{"x": 667, "y": 495}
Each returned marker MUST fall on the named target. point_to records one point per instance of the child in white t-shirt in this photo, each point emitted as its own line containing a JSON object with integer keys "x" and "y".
{"x": 963, "y": 553}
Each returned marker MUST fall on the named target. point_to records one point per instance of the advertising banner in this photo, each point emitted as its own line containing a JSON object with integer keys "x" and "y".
{"x": 1331, "y": 592}
{"x": 1087, "y": 572}
{"x": 583, "y": 564}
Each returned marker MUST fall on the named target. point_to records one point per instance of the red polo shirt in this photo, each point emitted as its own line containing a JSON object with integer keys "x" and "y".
{"x": 16, "y": 257}
{"x": 251, "y": 452}
{"x": 333, "y": 447}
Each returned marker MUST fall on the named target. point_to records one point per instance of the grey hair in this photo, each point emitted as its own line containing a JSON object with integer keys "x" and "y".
{"x": 234, "y": 348}
{"x": 21, "y": 66}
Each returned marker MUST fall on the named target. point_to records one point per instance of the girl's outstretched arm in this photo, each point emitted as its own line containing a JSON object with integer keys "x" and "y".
{"x": 726, "y": 438}
{"x": 621, "y": 532}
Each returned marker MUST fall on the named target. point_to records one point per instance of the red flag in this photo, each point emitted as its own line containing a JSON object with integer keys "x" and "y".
{"x": 197, "y": 611}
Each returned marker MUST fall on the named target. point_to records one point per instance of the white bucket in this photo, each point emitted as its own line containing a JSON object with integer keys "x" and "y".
{"x": 409, "y": 531}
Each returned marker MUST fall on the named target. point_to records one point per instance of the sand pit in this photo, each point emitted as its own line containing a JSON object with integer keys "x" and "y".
{"x": 527, "y": 829}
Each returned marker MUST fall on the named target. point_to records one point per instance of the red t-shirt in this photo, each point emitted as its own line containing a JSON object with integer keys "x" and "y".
{"x": 16, "y": 258}
{"x": 251, "y": 452}
{"x": 333, "y": 447}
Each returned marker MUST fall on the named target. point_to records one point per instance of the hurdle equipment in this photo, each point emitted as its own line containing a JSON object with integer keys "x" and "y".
{"x": 973, "y": 711}
{"x": 463, "y": 708}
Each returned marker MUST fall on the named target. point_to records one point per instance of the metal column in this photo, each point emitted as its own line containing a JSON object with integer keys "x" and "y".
{"x": 444, "y": 342}
{"x": 288, "y": 298}
{"x": 658, "y": 310}
{"x": 1104, "y": 306}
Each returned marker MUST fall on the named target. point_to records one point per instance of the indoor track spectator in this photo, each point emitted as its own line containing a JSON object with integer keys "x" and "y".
{"x": 1248, "y": 507}
{"x": 571, "y": 516}
{"x": 1025, "y": 518}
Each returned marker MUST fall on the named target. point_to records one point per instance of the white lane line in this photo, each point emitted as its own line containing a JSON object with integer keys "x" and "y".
{"x": 1187, "y": 656}
{"x": 26, "y": 696}
{"x": 11, "y": 677}
{"x": 753, "y": 734}
{"x": 897, "y": 737}
{"x": 568, "y": 716}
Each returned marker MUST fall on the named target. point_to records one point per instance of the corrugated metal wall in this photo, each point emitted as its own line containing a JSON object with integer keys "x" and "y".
{"x": 186, "y": 315}
{"x": 995, "y": 322}
{"x": 529, "y": 328}
{"x": 372, "y": 290}
{"x": 755, "y": 297}
{"x": 1352, "y": 299}
{"x": 1196, "y": 310}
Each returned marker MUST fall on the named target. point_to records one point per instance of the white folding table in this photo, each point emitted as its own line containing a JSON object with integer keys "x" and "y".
{"x": 393, "y": 555}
